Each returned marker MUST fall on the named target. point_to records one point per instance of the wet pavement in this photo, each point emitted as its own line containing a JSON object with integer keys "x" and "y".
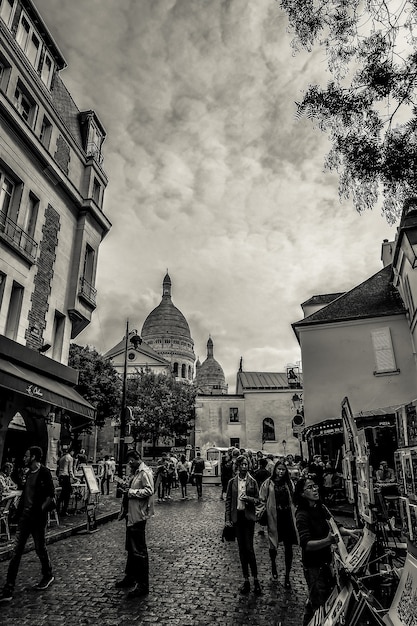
{"x": 194, "y": 576}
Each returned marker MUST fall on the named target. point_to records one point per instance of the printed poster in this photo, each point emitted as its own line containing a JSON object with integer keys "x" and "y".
{"x": 412, "y": 509}
{"x": 399, "y": 473}
{"x": 413, "y": 454}
{"x": 350, "y": 432}
{"x": 401, "y": 427}
{"x": 339, "y": 609}
{"x": 403, "y": 505}
{"x": 403, "y": 610}
{"x": 359, "y": 555}
{"x": 408, "y": 475}
{"x": 340, "y": 545}
{"x": 411, "y": 421}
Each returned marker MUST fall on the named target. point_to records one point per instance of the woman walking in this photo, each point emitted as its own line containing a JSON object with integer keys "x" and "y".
{"x": 241, "y": 497}
{"x": 276, "y": 494}
{"x": 182, "y": 470}
{"x": 316, "y": 539}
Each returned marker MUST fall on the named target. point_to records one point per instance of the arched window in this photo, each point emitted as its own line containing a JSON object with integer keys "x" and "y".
{"x": 183, "y": 371}
{"x": 190, "y": 374}
{"x": 176, "y": 369}
{"x": 268, "y": 429}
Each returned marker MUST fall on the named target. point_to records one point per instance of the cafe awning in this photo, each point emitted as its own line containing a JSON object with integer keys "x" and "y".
{"x": 41, "y": 388}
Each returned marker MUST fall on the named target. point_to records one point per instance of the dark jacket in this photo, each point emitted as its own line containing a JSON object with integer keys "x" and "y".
{"x": 44, "y": 489}
{"x": 231, "y": 499}
{"x": 312, "y": 523}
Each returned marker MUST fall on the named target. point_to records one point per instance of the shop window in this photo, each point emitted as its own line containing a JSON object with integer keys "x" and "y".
{"x": 268, "y": 429}
{"x": 233, "y": 414}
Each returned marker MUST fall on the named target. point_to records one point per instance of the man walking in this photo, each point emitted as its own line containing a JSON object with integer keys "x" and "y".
{"x": 36, "y": 500}
{"x": 139, "y": 491}
{"x": 65, "y": 473}
{"x": 197, "y": 469}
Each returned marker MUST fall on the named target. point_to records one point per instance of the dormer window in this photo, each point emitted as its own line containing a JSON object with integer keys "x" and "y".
{"x": 7, "y": 11}
{"x": 29, "y": 41}
{"x": 25, "y": 104}
{"x": 47, "y": 70}
{"x": 95, "y": 139}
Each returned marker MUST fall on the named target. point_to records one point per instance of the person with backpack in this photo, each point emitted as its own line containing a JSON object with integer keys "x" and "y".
{"x": 197, "y": 469}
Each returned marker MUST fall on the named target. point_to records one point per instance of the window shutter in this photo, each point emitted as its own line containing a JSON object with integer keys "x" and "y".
{"x": 384, "y": 353}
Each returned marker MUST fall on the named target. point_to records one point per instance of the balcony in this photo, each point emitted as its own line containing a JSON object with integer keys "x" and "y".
{"x": 17, "y": 238}
{"x": 87, "y": 292}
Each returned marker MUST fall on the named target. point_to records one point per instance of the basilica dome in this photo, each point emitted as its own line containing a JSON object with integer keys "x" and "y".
{"x": 210, "y": 377}
{"x": 167, "y": 331}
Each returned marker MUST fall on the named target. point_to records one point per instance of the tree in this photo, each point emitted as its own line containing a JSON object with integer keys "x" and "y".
{"x": 369, "y": 107}
{"x": 98, "y": 381}
{"x": 161, "y": 406}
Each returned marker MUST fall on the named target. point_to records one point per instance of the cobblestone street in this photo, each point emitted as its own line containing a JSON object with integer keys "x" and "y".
{"x": 194, "y": 576}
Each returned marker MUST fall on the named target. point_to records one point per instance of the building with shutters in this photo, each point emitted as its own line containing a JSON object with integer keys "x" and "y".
{"x": 52, "y": 186}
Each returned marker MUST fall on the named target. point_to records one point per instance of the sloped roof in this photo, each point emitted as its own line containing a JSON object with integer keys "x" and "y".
{"x": 265, "y": 380}
{"x": 66, "y": 108}
{"x": 322, "y": 298}
{"x": 375, "y": 297}
{"x": 144, "y": 349}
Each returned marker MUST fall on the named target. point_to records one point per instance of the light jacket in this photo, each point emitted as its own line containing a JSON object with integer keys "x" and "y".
{"x": 267, "y": 497}
{"x": 231, "y": 499}
{"x": 140, "y": 500}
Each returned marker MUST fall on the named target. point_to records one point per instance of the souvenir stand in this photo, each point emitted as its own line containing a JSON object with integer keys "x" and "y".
{"x": 372, "y": 579}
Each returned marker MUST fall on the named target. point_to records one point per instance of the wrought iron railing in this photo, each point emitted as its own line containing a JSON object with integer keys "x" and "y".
{"x": 87, "y": 290}
{"x": 13, "y": 233}
{"x": 94, "y": 151}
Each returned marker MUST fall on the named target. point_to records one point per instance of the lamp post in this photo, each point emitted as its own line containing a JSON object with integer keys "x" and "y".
{"x": 298, "y": 420}
{"x": 136, "y": 341}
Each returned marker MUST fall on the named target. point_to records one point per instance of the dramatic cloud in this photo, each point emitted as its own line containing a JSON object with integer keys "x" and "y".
{"x": 211, "y": 175}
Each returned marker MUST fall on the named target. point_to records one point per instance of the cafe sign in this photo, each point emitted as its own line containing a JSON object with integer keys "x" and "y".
{"x": 34, "y": 391}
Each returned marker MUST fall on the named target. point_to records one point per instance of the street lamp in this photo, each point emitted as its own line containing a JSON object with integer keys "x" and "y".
{"x": 136, "y": 341}
{"x": 298, "y": 419}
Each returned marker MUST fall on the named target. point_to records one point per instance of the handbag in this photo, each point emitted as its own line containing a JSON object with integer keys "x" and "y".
{"x": 229, "y": 533}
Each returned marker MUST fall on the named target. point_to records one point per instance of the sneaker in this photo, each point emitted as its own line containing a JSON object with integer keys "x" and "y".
{"x": 138, "y": 592}
{"x": 7, "y": 594}
{"x": 45, "y": 582}
{"x": 125, "y": 583}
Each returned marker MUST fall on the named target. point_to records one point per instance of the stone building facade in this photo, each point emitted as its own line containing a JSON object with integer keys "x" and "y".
{"x": 52, "y": 185}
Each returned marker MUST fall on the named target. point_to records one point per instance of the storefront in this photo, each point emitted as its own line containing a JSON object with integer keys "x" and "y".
{"x": 38, "y": 403}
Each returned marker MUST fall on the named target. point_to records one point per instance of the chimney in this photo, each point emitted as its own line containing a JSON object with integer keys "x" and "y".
{"x": 387, "y": 251}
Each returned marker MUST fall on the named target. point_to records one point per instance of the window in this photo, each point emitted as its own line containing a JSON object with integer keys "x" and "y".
{"x": 6, "y": 11}
{"x": 95, "y": 139}
{"x": 183, "y": 370}
{"x": 96, "y": 191}
{"x": 2, "y": 286}
{"x": 234, "y": 442}
{"x": 383, "y": 351}
{"x": 13, "y": 314}
{"x": 408, "y": 296}
{"x": 58, "y": 336}
{"x": 233, "y": 414}
{"x": 175, "y": 369}
{"x": 5, "y": 70}
{"x": 6, "y": 195}
{"x": 31, "y": 215}
{"x": 46, "y": 131}
{"x": 88, "y": 270}
{"x": 46, "y": 71}
{"x": 268, "y": 429}
{"x": 25, "y": 104}
{"x": 29, "y": 41}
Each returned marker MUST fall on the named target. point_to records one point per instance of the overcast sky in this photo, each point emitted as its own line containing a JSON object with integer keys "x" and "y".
{"x": 210, "y": 174}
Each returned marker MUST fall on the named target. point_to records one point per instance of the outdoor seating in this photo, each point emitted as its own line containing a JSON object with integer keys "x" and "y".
{"x": 4, "y": 517}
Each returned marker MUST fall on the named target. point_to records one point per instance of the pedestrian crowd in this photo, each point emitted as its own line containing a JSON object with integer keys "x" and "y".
{"x": 284, "y": 496}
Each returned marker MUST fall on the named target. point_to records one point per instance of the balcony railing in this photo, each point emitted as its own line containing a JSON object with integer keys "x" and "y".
{"x": 94, "y": 151}
{"x": 87, "y": 291}
{"x": 11, "y": 232}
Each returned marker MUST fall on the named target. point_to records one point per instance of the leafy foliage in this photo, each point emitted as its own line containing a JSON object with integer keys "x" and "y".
{"x": 98, "y": 381}
{"x": 368, "y": 108}
{"x": 161, "y": 406}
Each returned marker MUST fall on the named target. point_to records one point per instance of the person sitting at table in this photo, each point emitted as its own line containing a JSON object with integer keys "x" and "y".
{"x": 6, "y": 483}
{"x": 385, "y": 474}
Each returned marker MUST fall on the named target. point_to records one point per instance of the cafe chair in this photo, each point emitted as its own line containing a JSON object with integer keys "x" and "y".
{"x": 4, "y": 518}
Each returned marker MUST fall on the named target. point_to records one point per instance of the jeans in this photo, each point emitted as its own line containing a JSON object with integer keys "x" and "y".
{"x": 245, "y": 530}
{"x": 137, "y": 564}
{"x": 29, "y": 526}
{"x": 320, "y": 582}
{"x": 198, "y": 479}
{"x": 64, "y": 496}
